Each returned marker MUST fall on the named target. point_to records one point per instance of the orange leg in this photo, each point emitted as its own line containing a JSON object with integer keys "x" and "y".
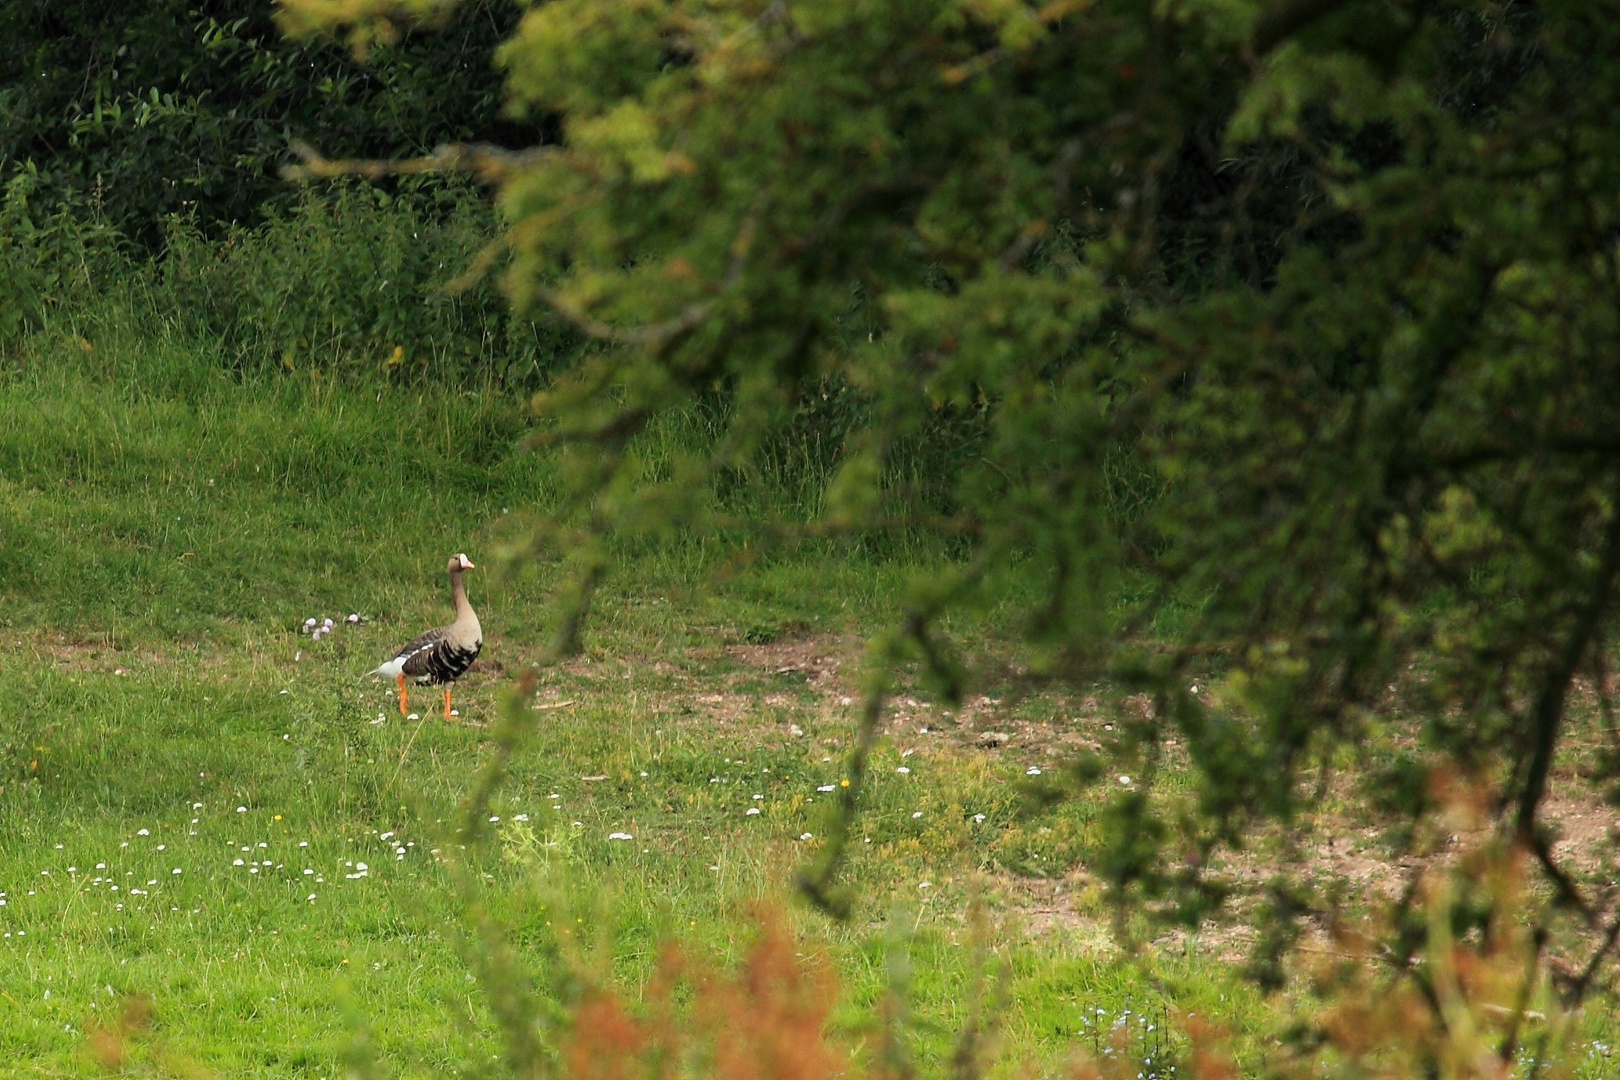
{"x": 402, "y": 695}
{"x": 447, "y": 703}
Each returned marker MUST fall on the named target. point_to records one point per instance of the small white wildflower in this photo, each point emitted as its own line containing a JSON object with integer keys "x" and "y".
{"x": 825, "y": 787}
{"x": 903, "y": 770}
{"x": 806, "y": 836}
{"x": 918, "y": 814}
{"x": 143, "y": 832}
{"x": 751, "y": 811}
{"x": 1033, "y": 770}
{"x": 620, "y": 836}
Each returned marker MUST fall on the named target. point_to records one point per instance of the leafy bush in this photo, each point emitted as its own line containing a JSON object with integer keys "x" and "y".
{"x": 53, "y": 252}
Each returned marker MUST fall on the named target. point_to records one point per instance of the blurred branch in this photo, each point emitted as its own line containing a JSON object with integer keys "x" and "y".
{"x": 660, "y": 335}
{"x": 816, "y": 880}
{"x": 491, "y": 164}
{"x": 1287, "y": 19}
{"x": 1549, "y": 708}
{"x": 368, "y": 22}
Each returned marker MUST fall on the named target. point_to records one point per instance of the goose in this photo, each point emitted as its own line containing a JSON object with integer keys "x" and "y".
{"x": 443, "y": 654}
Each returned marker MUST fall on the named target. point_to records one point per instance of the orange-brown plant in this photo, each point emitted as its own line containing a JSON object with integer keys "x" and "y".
{"x": 768, "y": 1021}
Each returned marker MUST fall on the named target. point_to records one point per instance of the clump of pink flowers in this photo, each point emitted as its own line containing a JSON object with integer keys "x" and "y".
{"x": 319, "y": 628}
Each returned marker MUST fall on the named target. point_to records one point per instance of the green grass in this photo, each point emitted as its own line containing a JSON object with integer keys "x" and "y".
{"x": 164, "y": 539}
{"x": 162, "y": 545}
{"x": 113, "y": 782}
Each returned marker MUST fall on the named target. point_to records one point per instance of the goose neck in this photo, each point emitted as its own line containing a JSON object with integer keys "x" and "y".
{"x": 458, "y": 594}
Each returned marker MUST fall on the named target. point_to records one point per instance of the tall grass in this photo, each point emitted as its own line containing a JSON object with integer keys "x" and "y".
{"x": 355, "y": 279}
{"x": 349, "y": 281}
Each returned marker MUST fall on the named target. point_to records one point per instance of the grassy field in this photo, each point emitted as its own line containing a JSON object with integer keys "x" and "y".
{"x": 203, "y": 810}
{"x": 206, "y": 810}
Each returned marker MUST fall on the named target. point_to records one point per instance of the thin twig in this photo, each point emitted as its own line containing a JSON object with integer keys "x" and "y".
{"x": 408, "y": 744}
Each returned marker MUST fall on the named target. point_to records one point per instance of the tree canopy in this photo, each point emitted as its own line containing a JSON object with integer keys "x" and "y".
{"x": 145, "y": 110}
{"x": 1275, "y": 343}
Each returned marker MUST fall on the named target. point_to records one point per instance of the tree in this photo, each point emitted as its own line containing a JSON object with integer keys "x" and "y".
{"x": 150, "y": 109}
{"x": 1338, "y": 280}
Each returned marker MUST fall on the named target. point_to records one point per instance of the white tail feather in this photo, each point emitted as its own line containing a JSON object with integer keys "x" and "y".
{"x": 392, "y": 669}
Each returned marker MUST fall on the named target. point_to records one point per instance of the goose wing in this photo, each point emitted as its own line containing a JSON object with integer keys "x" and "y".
{"x": 435, "y": 656}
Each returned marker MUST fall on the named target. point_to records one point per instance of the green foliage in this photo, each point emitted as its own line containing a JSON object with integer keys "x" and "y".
{"x": 172, "y": 108}
{"x": 1338, "y": 278}
{"x": 51, "y": 253}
